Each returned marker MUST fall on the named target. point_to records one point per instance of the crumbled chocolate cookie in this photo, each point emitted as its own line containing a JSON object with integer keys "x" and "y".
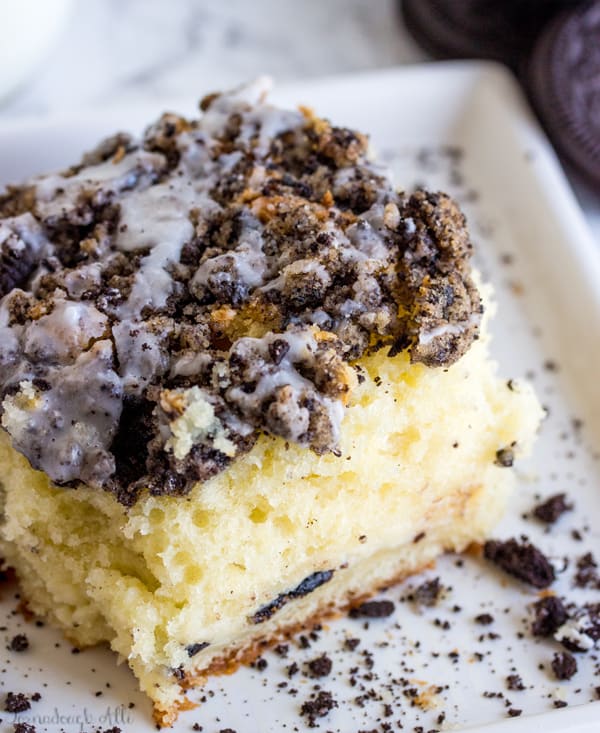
{"x": 428, "y": 593}
{"x": 587, "y": 575}
{"x": 24, "y": 728}
{"x": 16, "y": 702}
{"x": 19, "y": 643}
{"x": 320, "y": 666}
{"x": 210, "y": 282}
{"x": 373, "y": 609}
{"x": 564, "y": 665}
{"x": 581, "y": 631}
{"x": 554, "y": 507}
{"x": 514, "y": 682}
{"x": 322, "y": 704}
{"x": 549, "y": 614}
{"x": 522, "y": 560}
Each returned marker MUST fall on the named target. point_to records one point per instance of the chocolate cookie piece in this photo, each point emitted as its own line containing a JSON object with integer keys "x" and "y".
{"x": 485, "y": 29}
{"x": 552, "y": 509}
{"x": 522, "y": 560}
{"x": 564, "y": 665}
{"x": 563, "y": 83}
{"x": 373, "y": 609}
{"x": 550, "y": 615}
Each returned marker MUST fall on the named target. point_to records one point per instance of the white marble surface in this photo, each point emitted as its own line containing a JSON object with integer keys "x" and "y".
{"x": 118, "y": 49}
{"x": 115, "y": 51}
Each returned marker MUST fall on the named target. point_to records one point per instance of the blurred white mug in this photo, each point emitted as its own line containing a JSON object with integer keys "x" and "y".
{"x": 29, "y": 29}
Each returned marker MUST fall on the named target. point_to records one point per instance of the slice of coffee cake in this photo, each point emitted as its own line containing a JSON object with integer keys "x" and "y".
{"x": 244, "y": 381}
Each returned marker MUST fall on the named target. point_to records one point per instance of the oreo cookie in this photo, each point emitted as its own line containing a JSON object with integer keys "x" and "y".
{"x": 564, "y": 85}
{"x": 499, "y": 30}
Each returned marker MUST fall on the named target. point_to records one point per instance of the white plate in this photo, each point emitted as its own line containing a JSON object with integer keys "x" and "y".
{"x": 521, "y": 210}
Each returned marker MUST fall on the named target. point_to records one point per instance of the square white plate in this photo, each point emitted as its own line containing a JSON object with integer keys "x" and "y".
{"x": 463, "y": 128}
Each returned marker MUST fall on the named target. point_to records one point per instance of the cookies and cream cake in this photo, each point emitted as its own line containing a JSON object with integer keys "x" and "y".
{"x": 244, "y": 382}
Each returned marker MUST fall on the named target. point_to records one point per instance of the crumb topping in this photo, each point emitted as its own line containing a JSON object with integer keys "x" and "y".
{"x": 169, "y": 298}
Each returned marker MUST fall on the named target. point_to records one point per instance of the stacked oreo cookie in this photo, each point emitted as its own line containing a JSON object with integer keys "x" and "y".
{"x": 552, "y": 45}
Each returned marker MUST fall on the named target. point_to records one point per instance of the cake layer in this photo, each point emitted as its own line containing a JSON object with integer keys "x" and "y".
{"x": 176, "y": 585}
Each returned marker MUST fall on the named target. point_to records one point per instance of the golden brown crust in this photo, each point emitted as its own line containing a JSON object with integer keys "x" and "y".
{"x": 166, "y": 718}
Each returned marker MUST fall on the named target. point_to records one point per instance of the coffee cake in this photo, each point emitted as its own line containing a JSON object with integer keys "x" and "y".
{"x": 244, "y": 383}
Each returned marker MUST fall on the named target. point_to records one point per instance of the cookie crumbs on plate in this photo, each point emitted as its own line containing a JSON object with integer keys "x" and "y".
{"x": 373, "y": 609}
{"x": 552, "y": 509}
{"x": 428, "y": 593}
{"x": 282, "y": 650}
{"x": 16, "y": 702}
{"x": 320, "y": 666}
{"x": 564, "y": 665}
{"x": 318, "y": 707}
{"x": 19, "y": 643}
{"x": 522, "y": 560}
{"x": 292, "y": 669}
{"x": 24, "y": 728}
{"x": 351, "y": 643}
{"x": 549, "y": 614}
{"x": 587, "y": 575}
{"x": 581, "y": 631}
{"x": 514, "y": 682}
{"x": 551, "y": 366}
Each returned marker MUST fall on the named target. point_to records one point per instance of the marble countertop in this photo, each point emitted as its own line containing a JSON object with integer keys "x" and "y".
{"x": 115, "y": 51}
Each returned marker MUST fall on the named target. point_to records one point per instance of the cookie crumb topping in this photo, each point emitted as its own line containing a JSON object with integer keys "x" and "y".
{"x": 167, "y": 299}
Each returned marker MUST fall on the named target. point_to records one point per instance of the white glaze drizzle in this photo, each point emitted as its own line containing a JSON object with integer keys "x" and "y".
{"x": 58, "y": 193}
{"x": 449, "y": 329}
